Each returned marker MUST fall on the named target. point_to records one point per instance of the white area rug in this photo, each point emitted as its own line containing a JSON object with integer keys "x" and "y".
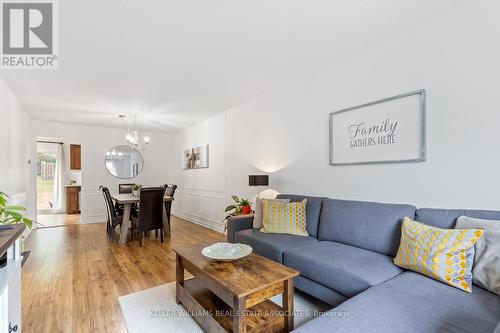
{"x": 155, "y": 310}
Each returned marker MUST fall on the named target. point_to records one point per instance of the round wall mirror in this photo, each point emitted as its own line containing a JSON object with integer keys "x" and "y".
{"x": 124, "y": 162}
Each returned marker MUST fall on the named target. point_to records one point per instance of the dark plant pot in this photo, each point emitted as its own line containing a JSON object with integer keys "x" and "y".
{"x": 245, "y": 210}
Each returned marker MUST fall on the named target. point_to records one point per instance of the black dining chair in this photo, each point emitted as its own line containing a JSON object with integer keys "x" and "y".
{"x": 108, "y": 225}
{"x": 150, "y": 215}
{"x": 124, "y": 189}
{"x": 114, "y": 219}
{"x": 169, "y": 191}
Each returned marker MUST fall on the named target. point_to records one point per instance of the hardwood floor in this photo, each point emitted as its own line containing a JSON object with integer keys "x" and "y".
{"x": 74, "y": 275}
{"x": 57, "y": 220}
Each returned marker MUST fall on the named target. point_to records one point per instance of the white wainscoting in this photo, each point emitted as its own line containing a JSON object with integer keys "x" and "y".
{"x": 203, "y": 206}
{"x": 92, "y": 206}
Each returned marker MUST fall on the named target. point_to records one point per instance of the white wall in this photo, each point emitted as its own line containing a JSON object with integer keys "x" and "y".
{"x": 15, "y": 150}
{"x": 95, "y": 142}
{"x": 200, "y": 196}
{"x": 285, "y": 133}
{"x": 454, "y": 57}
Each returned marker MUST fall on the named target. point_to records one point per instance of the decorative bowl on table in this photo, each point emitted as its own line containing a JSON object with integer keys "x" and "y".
{"x": 226, "y": 251}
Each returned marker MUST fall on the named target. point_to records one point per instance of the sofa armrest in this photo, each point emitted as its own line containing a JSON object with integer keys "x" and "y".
{"x": 237, "y": 223}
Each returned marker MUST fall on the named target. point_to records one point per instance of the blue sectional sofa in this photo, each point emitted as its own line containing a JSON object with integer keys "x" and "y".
{"x": 347, "y": 262}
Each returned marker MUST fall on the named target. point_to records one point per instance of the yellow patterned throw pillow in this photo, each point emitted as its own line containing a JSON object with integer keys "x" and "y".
{"x": 445, "y": 255}
{"x": 284, "y": 217}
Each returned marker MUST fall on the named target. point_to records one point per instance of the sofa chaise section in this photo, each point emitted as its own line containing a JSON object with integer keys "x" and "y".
{"x": 411, "y": 302}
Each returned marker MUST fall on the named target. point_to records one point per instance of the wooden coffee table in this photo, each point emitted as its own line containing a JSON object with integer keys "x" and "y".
{"x": 234, "y": 296}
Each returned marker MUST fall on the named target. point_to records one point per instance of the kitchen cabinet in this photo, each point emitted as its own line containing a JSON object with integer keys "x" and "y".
{"x": 75, "y": 157}
{"x": 73, "y": 199}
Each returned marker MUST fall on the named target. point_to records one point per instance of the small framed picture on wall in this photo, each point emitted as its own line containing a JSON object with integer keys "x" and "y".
{"x": 196, "y": 158}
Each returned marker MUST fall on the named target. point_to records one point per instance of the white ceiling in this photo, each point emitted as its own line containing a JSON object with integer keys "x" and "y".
{"x": 177, "y": 62}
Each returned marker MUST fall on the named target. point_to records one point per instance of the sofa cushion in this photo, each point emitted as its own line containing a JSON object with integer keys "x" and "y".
{"x": 412, "y": 303}
{"x": 446, "y": 255}
{"x": 271, "y": 246}
{"x": 258, "y": 211}
{"x": 313, "y": 210}
{"x": 284, "y": 217}
{"x": 486, "y": 272}
{"x": 447, "y": 218}
{"x": 346, "y": 269}
{"x": 368, "y": 225}
{"x": 319, "y": 291}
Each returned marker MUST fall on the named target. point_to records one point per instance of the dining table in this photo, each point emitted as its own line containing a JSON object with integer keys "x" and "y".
{"x": 127, "y": 200}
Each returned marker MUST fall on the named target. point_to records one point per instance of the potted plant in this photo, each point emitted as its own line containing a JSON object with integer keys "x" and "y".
{"x": 12, "y": 214}
{"x": 246, "y": 207}
{"x": 136, "y": 190}
{"x": 240, "y": 206}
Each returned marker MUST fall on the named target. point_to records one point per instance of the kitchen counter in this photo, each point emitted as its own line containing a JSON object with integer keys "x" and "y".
{"x": 9, "y": 236}
{"x": 10, "y": 278}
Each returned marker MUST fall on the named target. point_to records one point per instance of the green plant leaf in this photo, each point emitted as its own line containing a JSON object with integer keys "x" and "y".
{"x": 20, "y": 208}
{"x": 11, "y": 214}
{"x": 235, "y": 198}
{"x": 28, "y": 222}
{"x": 231, "y": 207}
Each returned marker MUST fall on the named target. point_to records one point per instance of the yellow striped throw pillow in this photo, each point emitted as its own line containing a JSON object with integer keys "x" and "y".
{"x": 446, "y": 255}
{"x": 284, "y": 217}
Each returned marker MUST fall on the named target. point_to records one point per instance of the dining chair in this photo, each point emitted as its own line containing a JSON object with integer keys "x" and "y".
{"x": 108, "y": 225}
{"x": 150, "y": 215}
{"x": 169, "y": 191}
{"x": 124, "y": 189}
{"x": 113, "y": 217}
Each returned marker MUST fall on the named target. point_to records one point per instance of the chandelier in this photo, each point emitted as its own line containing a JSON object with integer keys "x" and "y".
{"x": 133, "y": 138}
{"x": 114, "y": 155}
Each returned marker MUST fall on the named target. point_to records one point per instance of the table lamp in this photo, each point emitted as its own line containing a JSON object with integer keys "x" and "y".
{"x": 258, "y": 180}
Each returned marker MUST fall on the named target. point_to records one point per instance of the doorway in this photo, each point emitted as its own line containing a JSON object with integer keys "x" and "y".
{"x": 46, "y": 177}
{"x": 52, "y": 178}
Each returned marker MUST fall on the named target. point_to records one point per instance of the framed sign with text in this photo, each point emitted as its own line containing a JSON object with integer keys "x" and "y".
{"x": 391, "y": 130}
